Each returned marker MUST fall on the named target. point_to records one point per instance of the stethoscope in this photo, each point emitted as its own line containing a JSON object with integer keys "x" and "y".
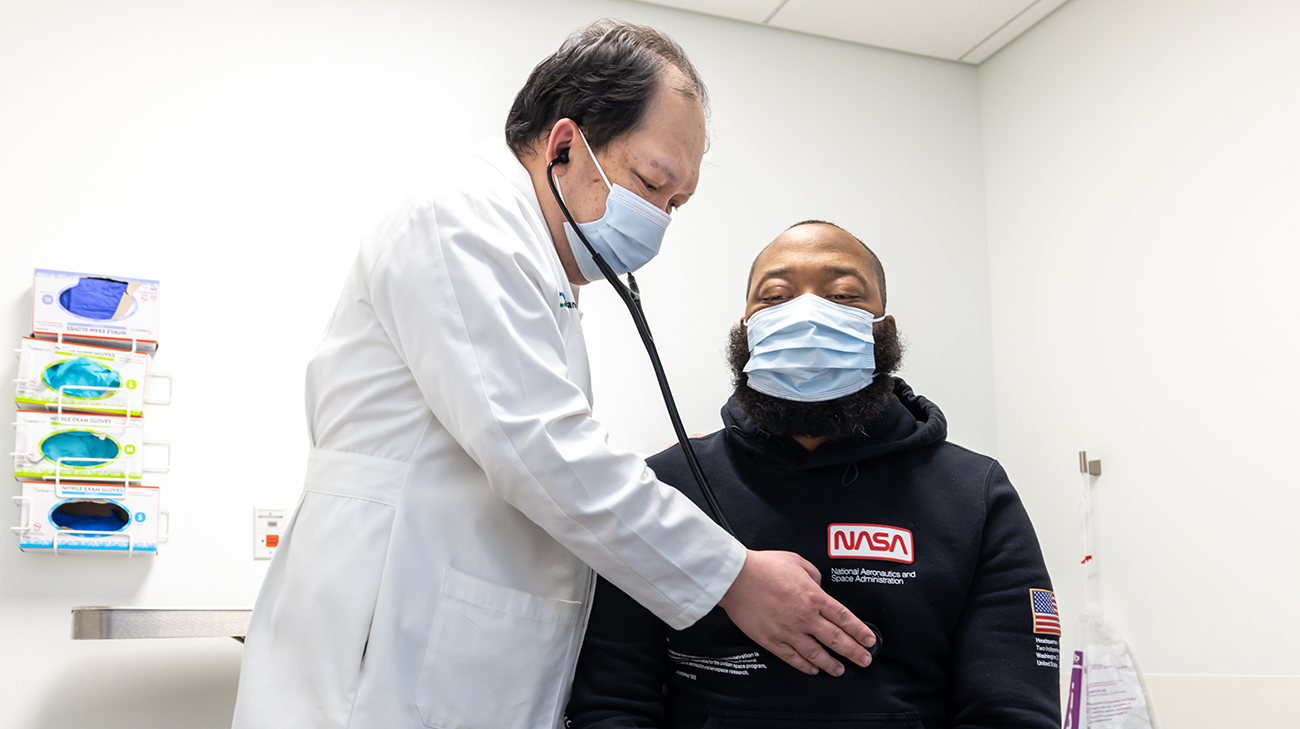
{"x": 631, "y": 297}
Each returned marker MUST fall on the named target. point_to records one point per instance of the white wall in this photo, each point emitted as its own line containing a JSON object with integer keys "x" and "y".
{"x": 886, "y": 145}
{"x": 236, "y": 150}
{"x": 1141, "y": 176}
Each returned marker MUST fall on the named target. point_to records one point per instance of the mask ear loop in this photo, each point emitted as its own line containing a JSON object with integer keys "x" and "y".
{"x": 631, "y": 297}
{"x": 877, "y": 320}
{"x": 599, "y": 169}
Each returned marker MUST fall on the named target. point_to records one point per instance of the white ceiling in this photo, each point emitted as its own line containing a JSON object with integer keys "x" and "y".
{"x": 957, "y": 30}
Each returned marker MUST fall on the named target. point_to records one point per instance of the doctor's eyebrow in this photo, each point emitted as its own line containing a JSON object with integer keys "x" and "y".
{"x": 666, "y": 168}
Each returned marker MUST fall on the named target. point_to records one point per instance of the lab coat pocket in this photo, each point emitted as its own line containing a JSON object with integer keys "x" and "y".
{"x": 496, "y": 657}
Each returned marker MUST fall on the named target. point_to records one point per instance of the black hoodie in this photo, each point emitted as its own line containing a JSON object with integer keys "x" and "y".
{"x": 922, "y": 538}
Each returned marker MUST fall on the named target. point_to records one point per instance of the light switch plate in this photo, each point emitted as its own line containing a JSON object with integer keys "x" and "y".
{"x": 268, "y": 525}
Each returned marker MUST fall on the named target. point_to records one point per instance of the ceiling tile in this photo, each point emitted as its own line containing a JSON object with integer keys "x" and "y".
{"x": 942, "y": 28}
{"x": 1027, "y": 19}
{"x": 753, "y": 11}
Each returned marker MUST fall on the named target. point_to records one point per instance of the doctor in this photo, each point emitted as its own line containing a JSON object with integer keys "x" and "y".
{"x": 438, "y": 570}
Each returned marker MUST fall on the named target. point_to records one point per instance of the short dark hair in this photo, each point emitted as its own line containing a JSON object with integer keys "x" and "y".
{"x": 875, "y": 260}
{"x": 602, "y": 77}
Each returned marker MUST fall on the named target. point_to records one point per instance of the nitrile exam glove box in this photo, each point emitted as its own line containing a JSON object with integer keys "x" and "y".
{"x": 80, "y": 377}
{"x": 115, "y": 311}
{"x": 88, "y": 517}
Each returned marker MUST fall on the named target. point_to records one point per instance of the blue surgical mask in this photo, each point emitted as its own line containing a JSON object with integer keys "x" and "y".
{"x": 627, "y": 236}
{"x": 810, "y": 349}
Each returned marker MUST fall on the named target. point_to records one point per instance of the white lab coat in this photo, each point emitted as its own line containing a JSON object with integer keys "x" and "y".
{"x": 436, "y": 571}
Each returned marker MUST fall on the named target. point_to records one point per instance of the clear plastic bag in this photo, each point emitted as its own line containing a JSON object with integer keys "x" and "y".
{"x": 1106, "y": 688}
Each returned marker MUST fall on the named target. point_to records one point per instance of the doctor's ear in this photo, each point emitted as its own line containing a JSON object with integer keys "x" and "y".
{"x": 558, "y": 142}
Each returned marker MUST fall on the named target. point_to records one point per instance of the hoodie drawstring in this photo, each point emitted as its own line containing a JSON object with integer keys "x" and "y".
{"x": 847, "y": 479}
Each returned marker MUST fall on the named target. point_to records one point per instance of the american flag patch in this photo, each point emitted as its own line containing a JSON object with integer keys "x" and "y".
{"x": 1046, "y": 619}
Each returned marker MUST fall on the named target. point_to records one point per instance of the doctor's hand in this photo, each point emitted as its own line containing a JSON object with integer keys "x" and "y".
{"x": 777, "y": 600}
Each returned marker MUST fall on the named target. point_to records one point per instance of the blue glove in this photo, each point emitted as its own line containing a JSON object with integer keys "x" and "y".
{"x": 94, "y": 298}
{"x": 79, "y": 444}
{"x": 81, "y": 371}
{"x": 92, "y": 516}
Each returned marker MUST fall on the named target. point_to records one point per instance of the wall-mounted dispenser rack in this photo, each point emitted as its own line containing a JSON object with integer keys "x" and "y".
{"x": 81, "y": 456}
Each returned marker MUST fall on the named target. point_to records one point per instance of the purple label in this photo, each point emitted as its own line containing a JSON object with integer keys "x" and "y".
{"x": 1076, "y": 688}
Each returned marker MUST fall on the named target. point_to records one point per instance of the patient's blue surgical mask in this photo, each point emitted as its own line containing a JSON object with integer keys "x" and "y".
{"x": 627, "y": 236}
{"x": 810, "y": 349}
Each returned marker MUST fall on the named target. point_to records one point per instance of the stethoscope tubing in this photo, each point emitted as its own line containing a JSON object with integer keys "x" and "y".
{"x": 631, "y": 297}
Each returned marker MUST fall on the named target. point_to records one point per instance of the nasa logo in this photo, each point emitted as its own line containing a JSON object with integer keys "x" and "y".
{"x": 869, "y": 541}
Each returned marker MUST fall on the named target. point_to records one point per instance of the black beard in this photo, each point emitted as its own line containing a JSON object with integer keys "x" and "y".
{"x": 836, "y": 419}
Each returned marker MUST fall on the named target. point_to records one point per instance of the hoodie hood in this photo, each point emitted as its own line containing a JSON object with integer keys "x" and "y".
{"x": 910, "y": 422}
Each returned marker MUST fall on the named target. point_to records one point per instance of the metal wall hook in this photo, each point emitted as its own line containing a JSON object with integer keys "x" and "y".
{"x": 1092, "y": 468}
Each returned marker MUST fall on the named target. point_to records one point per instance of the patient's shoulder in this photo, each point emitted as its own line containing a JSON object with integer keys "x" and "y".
{"x": 670, "y": 464}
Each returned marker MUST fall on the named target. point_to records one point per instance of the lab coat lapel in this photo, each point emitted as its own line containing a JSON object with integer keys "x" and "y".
{"x": 498, "y": 156}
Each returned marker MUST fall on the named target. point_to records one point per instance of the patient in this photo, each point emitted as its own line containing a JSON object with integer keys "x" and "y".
{"x": 827, "y": 455}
